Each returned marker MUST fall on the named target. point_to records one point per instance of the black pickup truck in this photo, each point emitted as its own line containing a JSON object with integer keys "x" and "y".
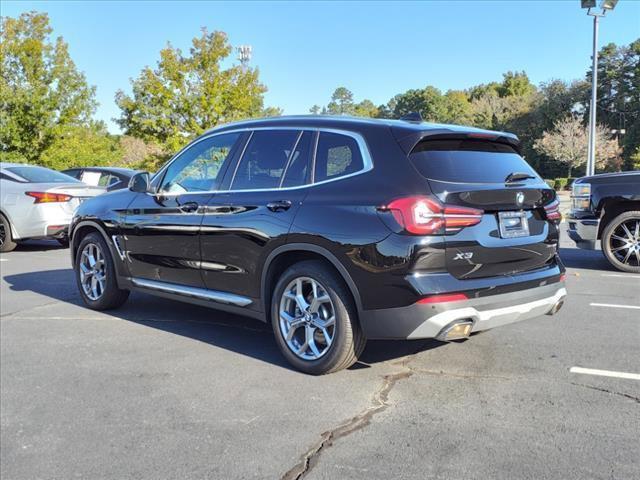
{"x": 605, "y": 213}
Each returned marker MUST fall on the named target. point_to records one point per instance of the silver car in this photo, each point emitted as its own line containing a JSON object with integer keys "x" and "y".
{"x": 36, "y": 202}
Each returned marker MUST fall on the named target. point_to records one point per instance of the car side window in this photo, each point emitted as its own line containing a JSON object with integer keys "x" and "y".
{"x": 264, "y": 160}
{"x": 197, "y": 169}
{"x": 297, "y": 171}
{"x": 107, "y": 179}
{"x": 337, "y": 155}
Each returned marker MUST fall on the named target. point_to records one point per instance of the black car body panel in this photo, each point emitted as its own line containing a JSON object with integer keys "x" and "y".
{"x": 222, "y": 247}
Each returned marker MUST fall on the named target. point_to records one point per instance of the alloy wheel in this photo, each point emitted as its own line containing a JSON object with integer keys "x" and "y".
{"x": 624, "y": 242}
{"x": 307, "y": 318}
{"x": 3, "y": 234}
{"x": 92, "y": 271}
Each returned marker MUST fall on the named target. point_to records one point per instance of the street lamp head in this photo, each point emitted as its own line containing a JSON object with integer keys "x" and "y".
{"x": 608, "y": 4}
{"x": 588, "y": 3}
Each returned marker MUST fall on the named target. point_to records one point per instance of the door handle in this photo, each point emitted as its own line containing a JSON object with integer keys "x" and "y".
{"x": 189, "y": 207}
{"x": 279, "y": 206}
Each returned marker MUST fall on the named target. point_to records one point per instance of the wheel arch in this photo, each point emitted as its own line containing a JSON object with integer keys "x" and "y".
{"x": 613, "y": 207}
{"x": 81, "y": 230}
{"x": 284, "y": 256}
{"x": 15, "y": 235}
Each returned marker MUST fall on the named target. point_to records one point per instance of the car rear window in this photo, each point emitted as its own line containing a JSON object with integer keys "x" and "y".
{"x": 41, "y": 175}
{"x": 468, "y": 161}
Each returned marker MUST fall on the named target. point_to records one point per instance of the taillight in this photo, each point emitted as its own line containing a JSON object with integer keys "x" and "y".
{"x": 552, "y": 210}
{"x": 422, "y": 215}
{"x": 48, "y": 197}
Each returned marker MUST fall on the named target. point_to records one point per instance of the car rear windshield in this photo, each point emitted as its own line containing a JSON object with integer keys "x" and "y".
{"x": 41, "y": 175}
{"x": 468, "y": 161}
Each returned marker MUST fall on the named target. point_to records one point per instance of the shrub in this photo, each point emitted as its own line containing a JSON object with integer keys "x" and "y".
{"x": 560, "y": 183}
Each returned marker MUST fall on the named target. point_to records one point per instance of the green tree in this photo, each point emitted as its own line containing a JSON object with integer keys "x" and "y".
{"x": 341, "y": 102}
{"x": 428, "y": 102}
{"x": 366, "y": 108}
{"x": 80, "y": 146}
{"x": 187, "y": 94}
{"x": 42, "y": 91}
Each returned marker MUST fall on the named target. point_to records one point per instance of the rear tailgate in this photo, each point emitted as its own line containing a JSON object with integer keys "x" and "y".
{"x": 472, "y": 173}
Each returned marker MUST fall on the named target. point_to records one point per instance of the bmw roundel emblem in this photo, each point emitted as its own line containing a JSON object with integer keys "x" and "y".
{"x": 519, "y": 198}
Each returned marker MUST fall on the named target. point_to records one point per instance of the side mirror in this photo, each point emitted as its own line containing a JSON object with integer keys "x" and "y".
{"x": 140, "y": 182}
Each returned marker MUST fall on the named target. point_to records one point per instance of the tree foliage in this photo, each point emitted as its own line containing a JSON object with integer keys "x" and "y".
{"x": 82, "y": 146}
{"x": 43, "y": 93}
{"x": 568, "y": 143}
{"x": 188, "y": 94}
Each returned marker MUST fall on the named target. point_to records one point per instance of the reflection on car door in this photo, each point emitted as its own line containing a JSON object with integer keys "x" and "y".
{"x": 244, "y": 224}
{"x": 161, "y": 230}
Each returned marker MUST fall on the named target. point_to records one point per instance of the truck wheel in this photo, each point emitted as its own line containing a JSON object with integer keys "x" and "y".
{"x": 621, "y": 242}
{"x": 6, "y": 241}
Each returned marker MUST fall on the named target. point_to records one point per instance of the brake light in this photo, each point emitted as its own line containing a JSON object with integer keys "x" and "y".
{"x": 449, "y": 297}
{"x": 552, "y": 210}
{"x": 422, "y": 215}
{"x": 48, "y": 197}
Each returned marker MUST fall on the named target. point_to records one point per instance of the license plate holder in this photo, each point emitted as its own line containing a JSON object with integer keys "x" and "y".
{"x": 513, "y": 224}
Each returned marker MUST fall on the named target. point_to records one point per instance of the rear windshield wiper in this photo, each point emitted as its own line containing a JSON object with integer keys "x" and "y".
{"x": 517, "y": 176}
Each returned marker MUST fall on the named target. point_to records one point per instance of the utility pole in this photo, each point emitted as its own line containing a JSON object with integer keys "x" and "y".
{"x": 604, "y": 5}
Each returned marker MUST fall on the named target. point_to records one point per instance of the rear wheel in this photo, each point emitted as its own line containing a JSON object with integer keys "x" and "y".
{"x": 621, "y": 242}
{"x": 96, "y": 275}
{"x": 6, "y": 240}
{"x": 314, "y": 320}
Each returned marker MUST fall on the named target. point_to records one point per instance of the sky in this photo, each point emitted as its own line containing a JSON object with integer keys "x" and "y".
{"x": 304, "y": 50}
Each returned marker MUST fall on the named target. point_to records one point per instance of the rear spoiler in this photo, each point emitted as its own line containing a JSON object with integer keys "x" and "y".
{"x": 408, "y": 141}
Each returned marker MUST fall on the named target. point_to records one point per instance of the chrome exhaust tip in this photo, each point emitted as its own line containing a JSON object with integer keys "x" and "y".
{"x": 457, "y": 330}
{"x": 556, "y": 307}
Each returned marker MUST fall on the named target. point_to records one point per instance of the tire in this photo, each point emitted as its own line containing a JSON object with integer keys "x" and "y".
{"x": 106, "y": 295}
{"x": 334, "y": 300}
{"x": 621, "y": 242}
{"x": 6, "y": 239}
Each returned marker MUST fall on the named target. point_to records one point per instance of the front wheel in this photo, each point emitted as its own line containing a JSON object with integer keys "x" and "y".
{"x": 314, "y": 319}
{"x": 96, "y": 274}
{"x": 621, "y": 242}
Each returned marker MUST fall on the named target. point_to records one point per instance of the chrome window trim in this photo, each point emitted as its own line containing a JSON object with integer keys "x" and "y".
{"x": 362, "y": 145}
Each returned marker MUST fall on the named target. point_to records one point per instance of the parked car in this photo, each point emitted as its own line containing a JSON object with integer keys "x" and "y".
{"x": 36, "y": 202}
{"x": 335, "y": 230}
{"x": 605, "y": 213}
{"x": 112, "y": 178}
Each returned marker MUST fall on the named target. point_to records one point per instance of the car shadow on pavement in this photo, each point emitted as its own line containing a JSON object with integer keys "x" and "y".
{"x": 587, "y": 259}
{"x": 235, "y": 333}
{"x": 38, "y": 246}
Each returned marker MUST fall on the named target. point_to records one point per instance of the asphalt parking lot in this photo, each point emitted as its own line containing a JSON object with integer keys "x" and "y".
{"x": 159, "y": 389}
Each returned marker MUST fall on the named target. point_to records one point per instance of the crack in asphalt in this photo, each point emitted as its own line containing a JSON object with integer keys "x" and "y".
{"x": 604, "y": 390}
{"x": 379, "y": 403}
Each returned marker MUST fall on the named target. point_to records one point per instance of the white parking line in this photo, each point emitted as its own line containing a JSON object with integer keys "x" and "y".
{"x": 605, "y": 373}
{"x": 621, "y": 275}
{"x": 613, "y": 305}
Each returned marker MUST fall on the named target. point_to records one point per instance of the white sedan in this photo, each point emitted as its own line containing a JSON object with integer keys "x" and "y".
{"x": 36, "y": 202}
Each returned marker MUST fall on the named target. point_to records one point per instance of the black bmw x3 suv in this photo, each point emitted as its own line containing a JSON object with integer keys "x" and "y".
{"x": 335, "y": 230}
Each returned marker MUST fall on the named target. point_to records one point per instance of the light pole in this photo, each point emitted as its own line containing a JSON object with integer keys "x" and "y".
{"x": 604, "y": 6}
{"x": 244, "y": 55}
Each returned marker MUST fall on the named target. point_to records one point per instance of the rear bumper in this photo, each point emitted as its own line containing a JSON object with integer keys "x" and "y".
{"x": 430, "y": 320}
{"x": 584, "y": 232}
{"x": 43, "y": 221}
